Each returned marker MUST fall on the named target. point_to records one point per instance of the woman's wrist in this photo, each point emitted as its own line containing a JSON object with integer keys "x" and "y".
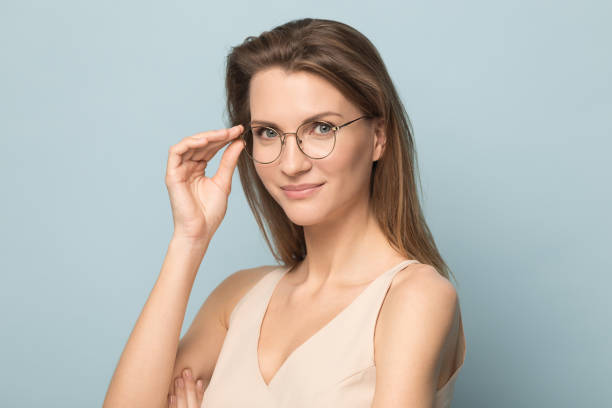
{"x": 189, "y": 243}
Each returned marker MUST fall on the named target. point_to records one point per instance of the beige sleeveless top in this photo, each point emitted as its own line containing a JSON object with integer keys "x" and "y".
{"x": 333, "y": 368}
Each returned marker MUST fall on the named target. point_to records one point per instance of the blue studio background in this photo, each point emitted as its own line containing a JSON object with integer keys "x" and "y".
{"x": 511, "y": 104}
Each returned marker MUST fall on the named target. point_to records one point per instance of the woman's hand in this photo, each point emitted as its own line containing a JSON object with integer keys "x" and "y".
{"x": 199, "y": 202}
{"x": 188, "y": 392}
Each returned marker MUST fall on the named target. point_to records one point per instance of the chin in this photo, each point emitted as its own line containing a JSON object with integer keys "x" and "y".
{"x": 304, "y": 221}
{"x": 303, "y": 215}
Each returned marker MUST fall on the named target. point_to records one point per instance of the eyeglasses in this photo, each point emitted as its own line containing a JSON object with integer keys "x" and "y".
{"x": 315, "y": 139}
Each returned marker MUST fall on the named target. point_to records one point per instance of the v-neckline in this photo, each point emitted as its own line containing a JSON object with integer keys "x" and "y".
{"x": 317, "y": 333}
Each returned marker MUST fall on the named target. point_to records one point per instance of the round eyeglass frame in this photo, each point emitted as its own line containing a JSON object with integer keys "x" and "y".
{"x": 283, "y": 136}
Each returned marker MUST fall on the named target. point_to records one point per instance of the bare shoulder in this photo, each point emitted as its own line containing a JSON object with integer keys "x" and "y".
{"x": 417, "y": 322}
{"x": 422, "y": 281}
{"x": 421, "y": 292}
{"x": 235, "y": 286}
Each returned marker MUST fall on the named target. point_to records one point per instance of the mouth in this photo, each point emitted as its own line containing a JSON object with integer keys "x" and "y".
{"x": 301, "y": 191}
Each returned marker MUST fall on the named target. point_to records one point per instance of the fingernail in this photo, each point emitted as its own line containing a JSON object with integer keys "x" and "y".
{"x": 200, "y": 384}
{"x": 187, "y": 373}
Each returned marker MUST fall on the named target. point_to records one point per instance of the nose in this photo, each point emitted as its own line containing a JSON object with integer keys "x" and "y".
{"x": 292, "y": 160}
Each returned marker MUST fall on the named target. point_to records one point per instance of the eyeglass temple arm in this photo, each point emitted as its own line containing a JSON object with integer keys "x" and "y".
{"x": 354, "y": 120}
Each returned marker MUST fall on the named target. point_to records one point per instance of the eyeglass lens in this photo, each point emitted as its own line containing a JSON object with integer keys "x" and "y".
{"x": 263, "y": 144}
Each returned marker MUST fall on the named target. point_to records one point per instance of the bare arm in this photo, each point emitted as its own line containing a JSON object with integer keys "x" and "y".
{"x": 144, "y": 372}
{"x": 199, "y": 203}
{"x": 417, "y": 320}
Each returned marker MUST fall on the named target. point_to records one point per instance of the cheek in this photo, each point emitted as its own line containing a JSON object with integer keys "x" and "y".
{"x": 348, "y": 165}
{"x": 266, "y": 175}
{"x": 262, "y": 173}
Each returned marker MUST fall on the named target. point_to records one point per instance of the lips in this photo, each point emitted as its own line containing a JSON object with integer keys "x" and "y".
{"x": 300, "y": 187}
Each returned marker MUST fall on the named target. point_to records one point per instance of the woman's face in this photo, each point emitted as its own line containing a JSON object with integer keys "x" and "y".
{"x": 287, "y": 99}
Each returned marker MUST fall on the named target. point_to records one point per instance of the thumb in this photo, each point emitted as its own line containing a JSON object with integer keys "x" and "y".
{"x": 229, "y": 159}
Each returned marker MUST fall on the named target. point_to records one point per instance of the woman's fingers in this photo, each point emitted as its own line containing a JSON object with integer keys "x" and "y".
{"x": 204, "y": 144}
{"x": 175, "y": 153}
{"x": 189, "y": 393}
{"x": 206, "y": 147}
{"x": 190, "y": 389}
{"x": 200, "y": 391}
{"x": 223, "y": 177}
{"x": 180, "y": 397}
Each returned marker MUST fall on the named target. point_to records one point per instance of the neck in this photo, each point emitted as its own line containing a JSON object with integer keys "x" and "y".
{"x": 344, "y": 250}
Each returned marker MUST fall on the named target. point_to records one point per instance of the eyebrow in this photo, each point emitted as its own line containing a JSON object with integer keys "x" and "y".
{"x": 308, "y": 119}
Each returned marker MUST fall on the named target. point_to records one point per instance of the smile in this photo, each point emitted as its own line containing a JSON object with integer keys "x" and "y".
{"x": 307, "y": 192}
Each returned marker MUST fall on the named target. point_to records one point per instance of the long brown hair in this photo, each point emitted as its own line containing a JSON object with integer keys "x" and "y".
{"x": 349, "y": 61}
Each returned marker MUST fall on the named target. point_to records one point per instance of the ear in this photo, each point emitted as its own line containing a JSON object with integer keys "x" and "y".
{"x": 379, "y": 139}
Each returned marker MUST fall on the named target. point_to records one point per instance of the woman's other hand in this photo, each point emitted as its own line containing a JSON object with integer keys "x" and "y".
{"x": 188, "y": 393}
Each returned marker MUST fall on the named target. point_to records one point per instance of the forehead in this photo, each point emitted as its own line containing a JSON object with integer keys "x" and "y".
{"x": 287, "y": 98}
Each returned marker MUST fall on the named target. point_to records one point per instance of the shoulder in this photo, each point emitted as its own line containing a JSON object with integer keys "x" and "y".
{"x": 421, "y": 286}
{"x": 236, "y": 285}
{"x": 419, "y": 298}
{"x": 415, "y": 324}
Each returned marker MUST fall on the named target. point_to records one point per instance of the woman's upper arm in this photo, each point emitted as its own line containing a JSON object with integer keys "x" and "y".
{"x": 199, "y": 348}
{"x": 416, "y": 322}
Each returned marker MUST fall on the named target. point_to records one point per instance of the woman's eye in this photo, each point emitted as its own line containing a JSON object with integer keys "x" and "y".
{"x": 269, "y": 133}
{"x": 265, "y": 133}
{"x": 323, "y": 127}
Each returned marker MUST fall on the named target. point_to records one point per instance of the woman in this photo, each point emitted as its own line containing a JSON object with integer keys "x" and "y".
{"x": 361, "y": 312}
